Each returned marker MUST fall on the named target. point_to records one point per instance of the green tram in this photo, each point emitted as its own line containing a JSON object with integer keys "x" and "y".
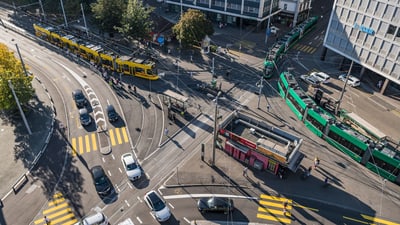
{"x": 361, "y": 148}
{"x": 285, "y": 43}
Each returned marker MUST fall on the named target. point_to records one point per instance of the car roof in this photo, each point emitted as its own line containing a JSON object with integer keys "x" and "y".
{"x": 110, "y": 107}
{"x": 83, "y": 111}
{"x": 77, "y": 91}
{"x": 128, "y": 158}
{"x": 97, "y": 171}
{"x": 93, "y": 219}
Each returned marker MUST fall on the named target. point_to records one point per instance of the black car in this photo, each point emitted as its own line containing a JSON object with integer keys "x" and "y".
{"x": 215, "y": 204}
{"x": 79, "y": 98}
{"x": 111, "y": 113}
{"x": 101, "y": 182}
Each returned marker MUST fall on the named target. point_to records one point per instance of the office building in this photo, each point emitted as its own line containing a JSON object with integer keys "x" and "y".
{"x": 368, "y": 33}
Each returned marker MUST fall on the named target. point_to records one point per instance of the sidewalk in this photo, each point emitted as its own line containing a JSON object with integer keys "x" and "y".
{"x": 20, "y": 150}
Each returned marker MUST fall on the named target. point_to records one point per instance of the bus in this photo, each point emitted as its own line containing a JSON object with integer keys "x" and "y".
{"x": 365, "y": 149}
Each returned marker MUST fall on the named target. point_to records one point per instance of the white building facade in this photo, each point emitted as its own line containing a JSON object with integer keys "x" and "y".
{"x": 368, "y": 33}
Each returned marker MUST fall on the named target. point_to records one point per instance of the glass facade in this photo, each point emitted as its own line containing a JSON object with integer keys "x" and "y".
{"x": 367, "y": 32}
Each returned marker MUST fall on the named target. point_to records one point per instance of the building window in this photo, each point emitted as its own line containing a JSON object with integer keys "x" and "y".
{"x": 285, "y": 6}
{"x": 391, "y": 30}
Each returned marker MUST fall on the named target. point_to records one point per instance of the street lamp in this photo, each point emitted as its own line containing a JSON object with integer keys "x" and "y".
{"x": 19, "y": 107}
{"x": 269, "y": 22}
{"x": 215, "y": 128}
{"x": 343, "y": 89}
{"x": 260, "y": 90}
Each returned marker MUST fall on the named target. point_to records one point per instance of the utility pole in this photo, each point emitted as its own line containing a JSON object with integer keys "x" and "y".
{"x": 215, "y": 135}
{"x": 212, "y": 67}
{"x": 84, "y": 20}
{"x": 296, "y": 13}
{"x": 260, "y": 91}
{"x": 41, "y": 6}
{"x": 22, "y": 61}
{"x": 268, "y": 32}
{"x": 343, "y": 89}
{"x": 19, "y": 107}
{"x": 65, "y": 17}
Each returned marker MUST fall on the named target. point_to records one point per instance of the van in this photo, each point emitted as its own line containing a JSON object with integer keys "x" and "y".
{"x": 84, "y": 117}
{"x": 96, "y": 219}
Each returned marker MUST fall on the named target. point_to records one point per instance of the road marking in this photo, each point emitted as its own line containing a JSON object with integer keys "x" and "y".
{"x": 355, "y": 220}
{"x": 60, "y": 206}
{"x": 73, "y": 147}
{"x": 274, "y": 218}
{"x": 187, "y": 221}
{"x": 275, "y": 198}
{"x": 305, "y": 207}
{"x": 378, "y": 220}
{"x": 274, "y": 204}
{"x": 112, "y": 137}
{"x": 94, "y": 143}
{"x": 124, "y": 134}
{"x": 138, "y": 219}
{"x": 80, "y": 141}
{"x": 87, "y": 141}
{"x": 118, "y": 135}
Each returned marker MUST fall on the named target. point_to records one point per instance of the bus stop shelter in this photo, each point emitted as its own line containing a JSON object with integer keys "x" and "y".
{"x": 175, "y": 101}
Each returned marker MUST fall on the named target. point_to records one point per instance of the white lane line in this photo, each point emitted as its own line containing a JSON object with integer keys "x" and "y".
{"x": 207, "y": 195}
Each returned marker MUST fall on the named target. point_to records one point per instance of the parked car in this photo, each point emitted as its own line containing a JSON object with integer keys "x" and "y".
{"x": 79, "y": 98}
{"x": 158, "y": 206}
{"x": 101, "y": 182}
{"x": 95, "y": 219}
{"x": 352, "y": 81}
{"x": 311, "y": 80}
{"x": 84, "y": 117}
{"x": 215, "y": 204}
{"x": 321, "y": 76}
{"x": 131, "y": 166}
{"x": 111, "y": 113}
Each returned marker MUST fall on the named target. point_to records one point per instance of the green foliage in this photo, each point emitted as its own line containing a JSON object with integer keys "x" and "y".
{"x": 136, "y": 23}
{"x": 108, "y": 13}
{"x": 192, "y": 28}
{"x": 11, "y": 69}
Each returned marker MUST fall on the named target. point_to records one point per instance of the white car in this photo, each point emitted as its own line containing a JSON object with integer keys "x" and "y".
{"x": 158, "y": 206}
{"x": 321, "y": 76}
{"x": 96, "y": 219}
{"x": 352, "y": 81}
{"x": 131, "y": 166}
{"x": 311, "y": 80}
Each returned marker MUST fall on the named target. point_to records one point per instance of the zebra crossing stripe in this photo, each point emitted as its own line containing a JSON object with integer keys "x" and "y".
{"x": 87, "y": 141}
{"x": 94, "y": 142}
{"x": 124, "y": 134}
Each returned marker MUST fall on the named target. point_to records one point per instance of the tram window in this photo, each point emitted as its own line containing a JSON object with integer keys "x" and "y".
{"x": 139, "y": 70}
{"x": 150, "y": 72}
{"x": 384, "y": 165}
{"x": 315, "y": 122}
{"x": 345, "y": 143}
{"x": 282, "y": 86}
{"x": 125, "y": 68}
{"x": 295, "y": 103}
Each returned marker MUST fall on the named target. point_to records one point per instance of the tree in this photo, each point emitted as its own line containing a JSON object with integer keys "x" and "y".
{"x": 11, "y": 69}
{"x": 108, "y": 13}
{"x": 136, "y": 23}
{"x": 192, "y": 28}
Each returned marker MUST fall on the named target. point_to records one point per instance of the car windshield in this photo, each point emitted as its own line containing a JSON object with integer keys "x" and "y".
{"x": 131, "y": 166}
{"x": 158, "y": 204}
{"x": 100, "y": 180}
{"x": 84, "y": 116}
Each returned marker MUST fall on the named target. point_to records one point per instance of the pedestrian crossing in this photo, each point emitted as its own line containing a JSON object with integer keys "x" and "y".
{"x": 89, "y": 143}
{"x": 273, "y": 209}
{"x": 305, "y": 48}
{"x": 58, "y": 212}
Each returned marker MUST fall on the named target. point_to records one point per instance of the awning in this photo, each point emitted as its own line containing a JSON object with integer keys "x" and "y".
{"x": 241, "y": 148}
{"x": 295, "y": 161}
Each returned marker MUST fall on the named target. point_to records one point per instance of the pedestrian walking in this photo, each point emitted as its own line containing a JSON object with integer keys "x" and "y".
{"x": 46, "y": 220}
{"x": 316, "y": 162}
{"x": 166, "y": 132}
{"x": 285, "y": 204}
{"x": 129, "y": 87}
{"x": 245, "y": 171}
{"x": 309, "y": 171}
{"x": 268, "y": 107}
{"x": 134, "y": 89}
{"x": 199, "y": 107}
{"x": 150, "y": 98}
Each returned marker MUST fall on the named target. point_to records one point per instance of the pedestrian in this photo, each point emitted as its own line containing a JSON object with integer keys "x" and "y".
{"x": 166, "y": 132}
{"x": 199, "y": 107}
{"x": 134, "y": 89}
{"x": 309, "y": 171}
{"x": 129, "y": 87}
{"x": 316, "y": 162}
{"x": 268, "y": 108}
{"x": 326, "y": 180}
{"x": 245, "y": 171}
{"x": 150, "y": 98}
{"x": 285, "y": 204}
{"x": 46, "y": 220}
{"x": 169, "y": 51}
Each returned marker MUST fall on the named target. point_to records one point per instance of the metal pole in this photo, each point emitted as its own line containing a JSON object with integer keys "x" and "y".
{"x": 65, "y": 18}
{"x": 260, "y": 91}
{"x": 177, "y": 77}
{"x": 84, "y": 20}
{"x": 343, "y": 89}
{"x": 309, "y": 8}
{"x": 269, "y": 22}
{"x": 22, "y": 61}
{"x": 296, "y": 13}
{"x": 41, "y": 6}
{"x": 19, "y": 107}
{"x": 215, "y": 129}
{"x": 212, "y": 69}
{"x": 383, "y": 188}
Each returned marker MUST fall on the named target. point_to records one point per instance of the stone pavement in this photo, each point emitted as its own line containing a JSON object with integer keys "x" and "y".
{"x": 20, "y": 151}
